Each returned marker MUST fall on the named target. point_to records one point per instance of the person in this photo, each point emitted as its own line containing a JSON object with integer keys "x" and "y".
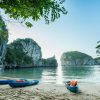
{"x": 72, "y": 83}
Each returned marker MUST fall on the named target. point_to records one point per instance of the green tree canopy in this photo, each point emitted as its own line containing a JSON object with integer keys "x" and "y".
{"x": 3, "y": 30}
{"x": 15, "y": 54}
{"x": 98, "y": 48}
{"x": 35, "y": 9}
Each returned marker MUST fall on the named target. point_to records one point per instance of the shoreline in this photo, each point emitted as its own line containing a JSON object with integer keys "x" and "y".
{"x": 49, "y": 92}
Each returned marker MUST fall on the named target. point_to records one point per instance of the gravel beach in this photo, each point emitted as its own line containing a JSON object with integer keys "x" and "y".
{"x": 49, "y": 92}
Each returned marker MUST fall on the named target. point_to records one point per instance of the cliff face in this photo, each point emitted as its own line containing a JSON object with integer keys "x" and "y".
{"x": 3, "y": 45}
{"x": 32, "y": 49}
{"x": 3, "y": 41}
{"x": 76, "y": 58}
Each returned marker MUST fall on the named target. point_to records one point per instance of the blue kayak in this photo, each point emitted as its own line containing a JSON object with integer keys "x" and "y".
{"x": 73, "y": 89}
{"x": 4, "y": 82}
{"x": 16, "y": 84}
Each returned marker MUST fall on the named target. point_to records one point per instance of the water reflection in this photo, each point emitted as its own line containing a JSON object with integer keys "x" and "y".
{"x": 82, "y": 71}
{"x": 59, "y": 75}
{"x": 49, "y": 75}
{"x": 56, "y": 74}
{"x": 31, "y": 73}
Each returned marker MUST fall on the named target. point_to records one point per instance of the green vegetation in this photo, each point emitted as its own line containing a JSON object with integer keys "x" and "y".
{"x": 75, "y": 54}
{"x": 98, "y": 49}
{"x": 49, "y": 62}
{"x": 3, "y": 30}
{"x": 3, "y": 41}
{"x": 15, "y": 55}
{"x": 98, "y": 53}
{"x": 50, "y": 10}
{"x": 76, "y": 58}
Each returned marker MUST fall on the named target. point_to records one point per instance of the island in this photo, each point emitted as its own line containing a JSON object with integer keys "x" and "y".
{"x": 25, "y": 53}
{"x": 76, "y": 58}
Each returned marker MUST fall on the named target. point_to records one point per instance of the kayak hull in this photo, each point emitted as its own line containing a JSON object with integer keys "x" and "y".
{"x": 15, "y": 84}
{"x": 4, "y": 82}
{"x": 73, "y": 89}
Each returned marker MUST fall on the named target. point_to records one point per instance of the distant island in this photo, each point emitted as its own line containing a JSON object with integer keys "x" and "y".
{"x": 77, "y": 58}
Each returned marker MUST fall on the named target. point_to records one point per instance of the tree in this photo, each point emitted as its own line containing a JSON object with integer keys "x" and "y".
{"x": 98, "y": 48}
{"x": 50, "y": 10}
{"x": 15, "y": 56}
{"x": 3, "y": 30}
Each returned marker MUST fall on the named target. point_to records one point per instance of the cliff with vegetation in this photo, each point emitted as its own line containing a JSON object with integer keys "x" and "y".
{"x": 25, "y": 53}
{"x": 3, "y": 41}
{"x": 97, "y": 61}
{"x": 48, "y": 62}
{"x": 76, "y": 58}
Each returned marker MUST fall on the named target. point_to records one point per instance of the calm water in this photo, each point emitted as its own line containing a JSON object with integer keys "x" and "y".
{"x": 56, "y": 75}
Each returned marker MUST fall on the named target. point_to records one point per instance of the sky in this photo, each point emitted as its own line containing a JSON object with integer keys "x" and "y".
{"x": 79, "y": 30}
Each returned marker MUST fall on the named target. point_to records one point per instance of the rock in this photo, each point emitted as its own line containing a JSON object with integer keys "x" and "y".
{"x": 23, "y": 53}
{"x": 76, "y": 58}
{"x": 3, "y": 41}
{"x": 2, "y": 97}
{"x": 32, "y": 49}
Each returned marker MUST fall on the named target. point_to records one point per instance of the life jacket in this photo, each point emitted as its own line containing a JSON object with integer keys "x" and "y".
{"x": 19, "y": 80}
{"x": 73, "y": 83}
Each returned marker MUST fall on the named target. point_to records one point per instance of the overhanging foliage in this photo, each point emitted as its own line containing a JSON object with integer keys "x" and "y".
{"x": 50, "y": 10}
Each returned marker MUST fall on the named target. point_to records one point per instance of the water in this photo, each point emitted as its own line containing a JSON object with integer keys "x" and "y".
{"x": 56, "y": 75}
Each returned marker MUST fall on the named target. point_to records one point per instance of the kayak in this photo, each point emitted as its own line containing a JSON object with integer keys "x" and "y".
{"x": 4, "y": 82}
{"x": 23, "y": 83}
{"x": 73, "y": 89}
